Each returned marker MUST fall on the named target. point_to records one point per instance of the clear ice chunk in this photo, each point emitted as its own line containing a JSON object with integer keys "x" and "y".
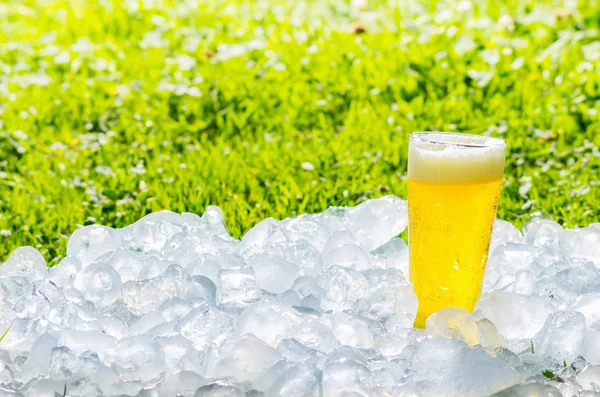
{"x": 344, "y": 288}
{"x": 64, "y": 272}
{"x": 142, "y": 296}
{"x": 516, "y": 316}
{"x": 237, "y": 287}
{"x": 270, "y": 321}
{"x": 25, "y": 262}
{"x": 274, "y": 273}
{"x": 99, "y": 284}
{"x": 447, "y": 367}
{"x": 561, "y": 337}
{"x": 91, "y": 242}
{"x": 248, "y": 359}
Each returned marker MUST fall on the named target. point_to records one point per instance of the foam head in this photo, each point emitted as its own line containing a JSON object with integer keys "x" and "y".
{"x": 443, "y": 157}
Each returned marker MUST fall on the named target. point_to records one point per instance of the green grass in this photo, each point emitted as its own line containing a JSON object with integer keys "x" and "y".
{"x": 111, "y": 110}
{"x": 5, "y": 332}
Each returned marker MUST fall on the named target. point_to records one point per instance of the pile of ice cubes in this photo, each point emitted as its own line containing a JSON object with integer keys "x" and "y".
{"x": 317, "y": 305}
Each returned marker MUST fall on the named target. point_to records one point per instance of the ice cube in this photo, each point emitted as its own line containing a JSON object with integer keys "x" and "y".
{"x": 303, "y": 228}
{"x": 390, "y": 248}
{"x": 184, "y": 248}
{"x": 205, "y": 326}
{"x": 99, "y": 284}
{"x": 591, "y": 341}
{"x": 346, "y": 353}
{"x": 269, "y": 321}
{"x": 304, "y": 255}
{"x": 153, "y": 266}
{"x": 589, "y": 378}
{"x": 529, "y": 389}
{"x": 108, "y": 383}
{"x": 270, "y": 376}
{"x": 352, "y": 330}
{"x": 12, "y": 288}
{"x": 146, "y": 323}
{"x": 229, "y": 260}
{"x": 512, "y": 257}
{"x": 589, "y": 306}
{"x": 184, "y": 383}
{"x": 581, "y": 243}
{"x": 315, "y": 334}
{"x": 274, "y": 273}
{"x": 558, "y": 293}
{"x": 143, "y": 296}
{"x": 201, "y": 287}
{"x": 25, "y": 262}
{"x": 305, "y": 285}
{"x": 386, "y": 373}
{"x": 46, "y": 388}
{"x": 561, "y": 337}
{"x": 447, "y": 367}
{"x": 39, "y": 298}
{"x": 294, "y": 351}
{"x": 139, "y": 358}
{"x": 237, "y": 288}
{"x": 301, "y": 380}
{"x": 6, "y": 374}
{"x": 545, "y": 264}
{"x": 348, "y": 255}
{"x": 516, "y": 316}
{"x": 581, "y": 278}
{"x": 155, "y": 229}
{"x": 339, "y": 238}
{"x": 66, "y": 365}
{"x": 488, "y": 334}
{"x": 214, "y": 220}
{"x": 219, "y": 389}
{"x": 63, "y": 273}
{"x": 524, "y": 283}
{"x": 82, "y": 341}
{"x": 38, "y": 362}
{"x": 344, "y": 288}
{"x": 266, "y": 234}
{"x": 392, "y": 343}
{"x": 176, "y": 348}
{"x": 391, "y": 296}
{"x": 114, "y": 326}
{"x": 75, "y": 312}
{"x": 395, "y": 253}
{"x": 375, "y": 222}
{"x": 454, "y": 323}
{"x": 90, "y": 242}
{"x": 247, "y": 360}
{"x": 345, "y": 378}
{"x": 205, "y": 265}
{"x": 126, "y": 263}
{"x": 504, "y": 232}
{"x": 502, "y": 283}
{"x": 542, "y": 233}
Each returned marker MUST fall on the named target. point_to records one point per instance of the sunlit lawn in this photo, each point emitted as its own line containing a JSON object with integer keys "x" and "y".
{"x": 109, "y": 111}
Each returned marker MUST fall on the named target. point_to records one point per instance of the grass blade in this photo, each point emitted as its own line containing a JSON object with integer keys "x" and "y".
{"x": 5, "y": 332}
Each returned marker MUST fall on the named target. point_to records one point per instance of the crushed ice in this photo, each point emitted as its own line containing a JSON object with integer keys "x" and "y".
{"x": 317, "y": 305}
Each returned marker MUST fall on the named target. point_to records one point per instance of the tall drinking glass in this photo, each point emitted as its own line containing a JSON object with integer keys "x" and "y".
{"x": 454, "y": 183}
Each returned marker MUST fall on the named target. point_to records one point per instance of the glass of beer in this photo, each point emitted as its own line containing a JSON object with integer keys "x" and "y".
{"x": 454, "y": 183}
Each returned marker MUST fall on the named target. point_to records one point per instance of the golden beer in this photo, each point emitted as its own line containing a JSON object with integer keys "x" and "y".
{"x": 454, "y": 183}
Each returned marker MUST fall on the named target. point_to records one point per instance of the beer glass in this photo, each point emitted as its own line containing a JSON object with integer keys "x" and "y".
{"x": 454, "y": 183}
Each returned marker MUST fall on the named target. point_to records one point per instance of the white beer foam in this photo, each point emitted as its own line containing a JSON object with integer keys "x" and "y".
{"x": 455, "y": 158}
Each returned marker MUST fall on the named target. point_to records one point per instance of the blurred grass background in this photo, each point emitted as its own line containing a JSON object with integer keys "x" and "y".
{"x": 112, "y": 109}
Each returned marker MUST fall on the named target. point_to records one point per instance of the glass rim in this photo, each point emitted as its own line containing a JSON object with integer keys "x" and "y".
{"x": 446, "y": 138}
